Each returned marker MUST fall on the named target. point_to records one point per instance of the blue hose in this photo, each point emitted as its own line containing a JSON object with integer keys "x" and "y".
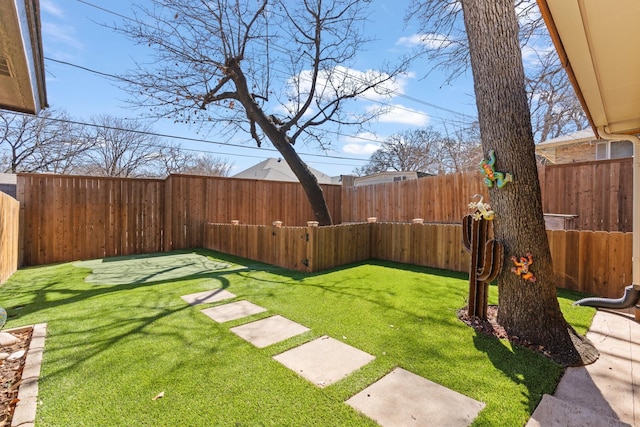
{"x": 629, "y": 299}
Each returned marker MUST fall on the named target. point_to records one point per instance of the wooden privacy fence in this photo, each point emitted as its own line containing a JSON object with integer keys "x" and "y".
{"x": 593, "y": 262}
{"x": 597, "y": 262}
{"x": 9, "y": 237}
{"x": 67, "y": 218}
{"x": 193, "y": 201}
{"x": 599, "y": 193}
{"x": 306, "y": 249}
{"x": 436, "y": 199}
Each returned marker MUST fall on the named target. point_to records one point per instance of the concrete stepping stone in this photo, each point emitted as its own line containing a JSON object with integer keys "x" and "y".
{"x": 324, "y": 360}
{"x": 212, "y": 295}
{"x": 232, "y": 311}
{"x": 271, "y": 330}
{"x": 402, "y": 398}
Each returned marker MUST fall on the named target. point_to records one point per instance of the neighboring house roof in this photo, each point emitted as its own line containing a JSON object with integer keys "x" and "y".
{"x": 278, "y": 170}
{"x": 22, "y": 79}
{"x": 387, "y": 176}
{"x": 585, "y": 135}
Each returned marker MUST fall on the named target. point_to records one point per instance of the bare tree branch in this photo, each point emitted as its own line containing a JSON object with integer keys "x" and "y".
{"x": 281, "y": 66}
{"x": 442, "y": 38}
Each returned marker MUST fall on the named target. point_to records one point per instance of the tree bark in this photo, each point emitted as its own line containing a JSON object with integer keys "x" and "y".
{"x": 527, "y": 309}
{"x": 282, "y": 143}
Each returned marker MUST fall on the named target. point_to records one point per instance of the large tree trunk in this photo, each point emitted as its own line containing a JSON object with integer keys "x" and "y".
{"x": 527, "y": 309}
{"x": 281, "y": 142}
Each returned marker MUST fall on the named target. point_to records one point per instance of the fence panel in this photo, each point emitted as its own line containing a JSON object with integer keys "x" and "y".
{"x": 67, "y": 218}
{"x": 9, "y": 236}
{"x": 593, "y": 262}
{"x": 437, "y": 199}
{"x": 338, "y": 245}
{"x": 282, "y": 246}
{"x": 599, "y": 193}
{"x": 198, "y": 200}
{"x": 431, "y": 245}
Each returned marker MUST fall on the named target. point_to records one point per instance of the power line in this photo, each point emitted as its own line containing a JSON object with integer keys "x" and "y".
{"x": 201, "y": 140}
{"x": 190, "y": 139}
{"x": 401, "y": 108}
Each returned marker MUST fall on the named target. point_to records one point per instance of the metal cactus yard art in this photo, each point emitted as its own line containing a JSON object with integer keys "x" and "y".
{"x": 487, "y": 257}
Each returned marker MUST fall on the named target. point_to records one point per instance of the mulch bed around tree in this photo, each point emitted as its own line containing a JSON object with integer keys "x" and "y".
{"x": 491, "y": 327}
{"x": 11, "y": 376}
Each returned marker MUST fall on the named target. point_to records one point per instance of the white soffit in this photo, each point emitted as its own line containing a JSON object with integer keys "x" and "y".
{"x": 601, "y": 40}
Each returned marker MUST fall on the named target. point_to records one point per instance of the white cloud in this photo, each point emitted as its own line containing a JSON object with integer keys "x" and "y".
{"x": 340, "y": 81}
{"x": 51, "y": 8}
{"x": 531, "y": 54}
{"x": 363, "y": 143}
{"x": 353, "y": 148}
{"x": 430, "y": 41}
{"x": 64, "y": 34}
{"x": 397, "y": 113}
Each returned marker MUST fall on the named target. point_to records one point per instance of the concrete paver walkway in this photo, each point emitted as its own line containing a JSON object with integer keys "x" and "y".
{"x": 400, "y": 398}
{"x": 608, "y": 388}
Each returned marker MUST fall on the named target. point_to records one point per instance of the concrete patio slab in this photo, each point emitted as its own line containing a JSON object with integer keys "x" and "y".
{"x": 271, "y": 330}
{"x": 324, "y": 361}
{"x": 212, "y": 295}
{"x": 611, "y": 385}
{"x": 553, "y": 412}
{"x": 402, "y": 398}
{"x": 233, "y": 311}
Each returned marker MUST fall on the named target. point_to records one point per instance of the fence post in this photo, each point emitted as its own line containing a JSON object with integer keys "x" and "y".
{"x": 312, "y": 229}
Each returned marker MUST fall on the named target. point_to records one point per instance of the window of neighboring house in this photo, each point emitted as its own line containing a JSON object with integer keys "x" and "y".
{"x": 621, "y": 149}
{"x": 614, "y": 150}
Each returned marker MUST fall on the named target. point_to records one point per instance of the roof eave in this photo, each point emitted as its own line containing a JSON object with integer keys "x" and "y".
{"x": 22, "y": 85}
{"x": 564, "y": 60}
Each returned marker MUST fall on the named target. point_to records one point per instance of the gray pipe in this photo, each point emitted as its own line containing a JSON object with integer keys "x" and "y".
{"x": 629, "y": 299}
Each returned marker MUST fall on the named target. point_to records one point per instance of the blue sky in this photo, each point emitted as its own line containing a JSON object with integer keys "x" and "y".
{"x": 72, "y": 33}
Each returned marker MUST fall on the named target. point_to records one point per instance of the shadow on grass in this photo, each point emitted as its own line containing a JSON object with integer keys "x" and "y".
{"x": 522, "y": 366}
{"x": 381, "y": 297}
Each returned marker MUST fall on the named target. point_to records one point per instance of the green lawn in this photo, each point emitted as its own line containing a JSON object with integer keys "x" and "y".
{"x": 111, "y": 348}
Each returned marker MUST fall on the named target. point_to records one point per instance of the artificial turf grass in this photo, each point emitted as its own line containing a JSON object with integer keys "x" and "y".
{"x": 111, "y": 348}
